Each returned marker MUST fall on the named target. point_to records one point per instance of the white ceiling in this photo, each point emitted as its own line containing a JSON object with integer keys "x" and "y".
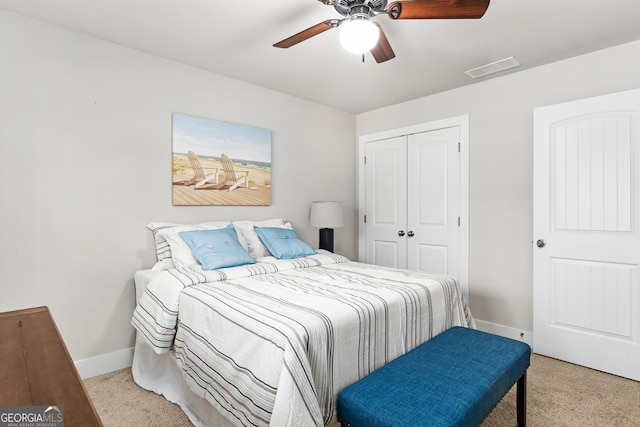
{"x": 235, "y": 38}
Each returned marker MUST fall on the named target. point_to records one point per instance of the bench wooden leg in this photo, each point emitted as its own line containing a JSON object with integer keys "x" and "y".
{"x": 521, "y": 400}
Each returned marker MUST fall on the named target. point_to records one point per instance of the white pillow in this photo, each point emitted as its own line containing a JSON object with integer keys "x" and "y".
{"x": 181, "y": 253}
{"x": 163, "y": 249}
{"x": 165, "y": 264}
{"x": 249, "y": 239}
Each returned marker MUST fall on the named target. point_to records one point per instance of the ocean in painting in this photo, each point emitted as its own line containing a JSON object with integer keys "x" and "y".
{"x": 249, "y": 163}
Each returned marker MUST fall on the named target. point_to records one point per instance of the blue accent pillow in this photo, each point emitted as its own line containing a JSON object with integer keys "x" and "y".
{"x": 283, "y": 242}
{"x": 217, "y": 248}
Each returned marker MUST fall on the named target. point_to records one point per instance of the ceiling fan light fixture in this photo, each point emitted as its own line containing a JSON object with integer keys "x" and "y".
{"x": 359, "y": 35}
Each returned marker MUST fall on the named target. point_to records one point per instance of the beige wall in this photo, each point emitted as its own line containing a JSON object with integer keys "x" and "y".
{"x": 501, "y": 146}
{"x": 85, "y": 164}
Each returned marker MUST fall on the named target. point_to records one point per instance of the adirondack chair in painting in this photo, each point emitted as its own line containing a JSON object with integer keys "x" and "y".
{"x": 201, "y": 175}
{"x": 231, "y": 176}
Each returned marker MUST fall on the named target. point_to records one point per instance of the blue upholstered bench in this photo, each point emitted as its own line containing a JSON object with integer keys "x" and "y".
{"x": 454, "y": 379}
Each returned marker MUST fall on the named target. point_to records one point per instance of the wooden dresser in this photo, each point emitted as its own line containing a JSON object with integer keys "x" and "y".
{"x": 36, "y": 368}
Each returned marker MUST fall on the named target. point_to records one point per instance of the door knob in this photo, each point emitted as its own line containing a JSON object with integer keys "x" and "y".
{"x": 401, "y": 233}
{"x": 541, "y": 243}
{"x": 410, "y": 233}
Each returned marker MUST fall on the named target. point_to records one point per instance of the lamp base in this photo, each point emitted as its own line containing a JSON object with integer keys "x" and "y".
{"x": 326, "y": 239}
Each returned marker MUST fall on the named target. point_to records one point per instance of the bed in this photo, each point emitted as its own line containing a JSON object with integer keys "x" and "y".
{"x": 273, "y": 342}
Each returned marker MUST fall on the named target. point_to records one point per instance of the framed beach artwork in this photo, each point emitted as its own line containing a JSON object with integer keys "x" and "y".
{"x": 217, "y": 163}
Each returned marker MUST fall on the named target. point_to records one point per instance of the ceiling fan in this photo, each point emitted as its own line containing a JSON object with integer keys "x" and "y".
{"x": 359, "y": 12}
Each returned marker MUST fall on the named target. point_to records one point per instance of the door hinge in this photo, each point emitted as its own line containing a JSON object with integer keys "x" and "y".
{"x": 365, "y": 219}
{"x": 458, "y": 147}
{"x": 458, "y": 221}
{"x": 365, "y": 160}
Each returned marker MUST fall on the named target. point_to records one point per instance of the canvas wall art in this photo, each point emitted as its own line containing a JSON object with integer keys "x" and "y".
{"x": 217, "y": 163}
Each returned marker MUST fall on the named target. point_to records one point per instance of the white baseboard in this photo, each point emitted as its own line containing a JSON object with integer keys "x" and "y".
{"x": 506, "y": 331}
{"x": 104, "y": 363}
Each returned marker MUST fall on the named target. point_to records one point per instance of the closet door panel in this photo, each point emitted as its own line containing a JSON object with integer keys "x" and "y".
{"x": 432, "y": 203}
{"x": 386, "y": 202}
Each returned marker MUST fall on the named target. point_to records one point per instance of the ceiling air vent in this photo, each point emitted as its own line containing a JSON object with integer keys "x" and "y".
{"x": 494, "y": 67}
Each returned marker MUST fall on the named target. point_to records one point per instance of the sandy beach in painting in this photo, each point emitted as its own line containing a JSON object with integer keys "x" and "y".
{"x": 258, "y": 193}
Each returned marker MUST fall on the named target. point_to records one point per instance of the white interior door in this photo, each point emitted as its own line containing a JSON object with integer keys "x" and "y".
{"x": 433, "y": 201}
{"x": 386, "y": 202}
{"x": 586, "y": 236}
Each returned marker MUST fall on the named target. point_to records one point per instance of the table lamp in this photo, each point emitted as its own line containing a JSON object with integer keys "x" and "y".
{"x": 326, "y": 216}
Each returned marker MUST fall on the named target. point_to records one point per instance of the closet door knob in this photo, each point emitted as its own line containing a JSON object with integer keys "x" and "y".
{"x": 410, "y": 233}
{"x": 401, "y": 233}
{"x": 541, "y": 243}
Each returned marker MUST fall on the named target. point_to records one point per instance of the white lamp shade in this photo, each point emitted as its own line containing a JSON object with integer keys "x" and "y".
{"x": 326, "y": 214}
{"x": 359, "y": 35}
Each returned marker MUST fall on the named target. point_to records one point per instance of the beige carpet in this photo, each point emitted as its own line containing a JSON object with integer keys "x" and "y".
{"x": 558, "y": 394}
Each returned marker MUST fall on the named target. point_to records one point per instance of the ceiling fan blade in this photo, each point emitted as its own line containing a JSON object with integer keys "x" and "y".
{"x": 382, "y": 50}
{"x": 307, "y": 34}
{"x": 438, "y": 9}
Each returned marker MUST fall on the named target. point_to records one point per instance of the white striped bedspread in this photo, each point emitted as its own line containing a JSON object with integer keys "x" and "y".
{"x": 273, "y": 343}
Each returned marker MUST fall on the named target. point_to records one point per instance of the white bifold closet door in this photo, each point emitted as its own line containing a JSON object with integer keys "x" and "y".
{"x": 412, "y": 201}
